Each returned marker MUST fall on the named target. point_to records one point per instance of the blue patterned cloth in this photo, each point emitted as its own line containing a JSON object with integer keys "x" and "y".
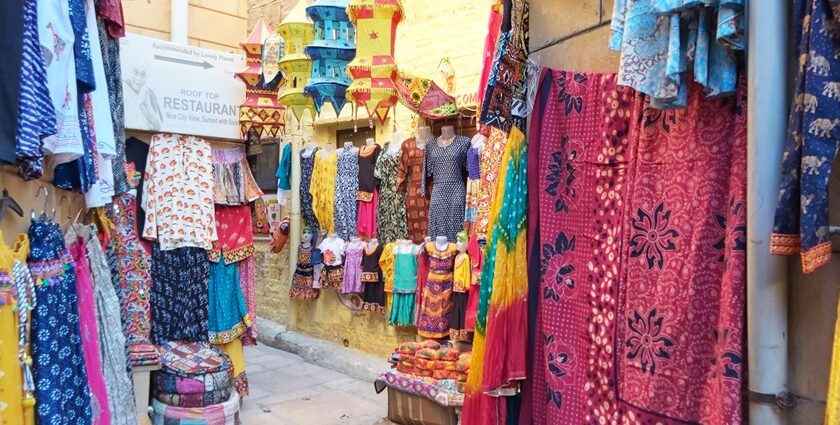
{"x": 180, "y": 303}
{"x": 228, "y": 315}
{"x": 36, "y": 114}
{"x": 62, "y": 393}
{"x": 801, "y": 224}
{"x": 663, "y": 41}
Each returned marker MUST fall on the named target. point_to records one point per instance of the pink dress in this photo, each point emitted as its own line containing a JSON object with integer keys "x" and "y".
{"x": 90, "y": 334}
{"x": 353, "y": 269}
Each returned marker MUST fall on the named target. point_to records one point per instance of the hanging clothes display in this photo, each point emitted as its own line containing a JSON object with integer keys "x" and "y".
{"x": 489, "y": 164}
{"x": 436, "y": 308}
{"x": 473, "y": 183}
{"x": 352, "y": 283}
{"x": 246, "y": 279}
{"x": 131, "y": 273}
{"x": 476, "y": 257}
{"x": 671, "y": 232}
{"x": 112, "y": 345}
{"x": 233, "y": 182}
{"x": 461, "y": 282}
{"x": 322, "y": 190}
{"x": 228, "y": 315}
{"x": 660, "y": 41}
{"x": 802, "y": 211}
{"x": 302, "y": 280}
{"x": 10, "y": 76}
{"x": 346, "y": 192}
{"x": 410, "y": 181}
{"x": 446, "y": 166}
{"x": 372, "y": 279}
{"x": 15, "y": 303}
{"x": 236, "y": 239}
{"x": 179, "y": 294}
{"x": 178, "y": 199}
{"x": 108, "y": 39}
{"x": 368, "y": 196}
{"x": 405, "y": 285}
{"x": 307, "y": 166}
{"x": 55, "y": 33}
{"x": 391, "y": 221}
{"x": 284, "y": 168}
{"x": 386, "y": 264}
{"x": 64, "y": 397}
{"x": 332, "y": 251}
{"x": 100, "y": 408}
{"x": 36, "y": 118}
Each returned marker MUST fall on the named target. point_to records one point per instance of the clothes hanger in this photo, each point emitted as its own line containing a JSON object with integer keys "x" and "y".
{"x": 7, "y": 201}
{"x": 43, "y": 216}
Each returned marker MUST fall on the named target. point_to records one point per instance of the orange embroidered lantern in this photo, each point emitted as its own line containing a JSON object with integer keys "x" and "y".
{"x": 260, "y": 115}
{"x": 373, "y": 70}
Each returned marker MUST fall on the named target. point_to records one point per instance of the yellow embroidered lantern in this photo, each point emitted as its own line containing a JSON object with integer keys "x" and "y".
{"x": 373, "y": 70}
{"x": 297, "y": 32}
{"x": 261, "y": 116}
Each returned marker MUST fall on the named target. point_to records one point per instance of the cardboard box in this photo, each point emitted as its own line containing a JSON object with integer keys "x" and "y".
{"x": 409, "y": 409}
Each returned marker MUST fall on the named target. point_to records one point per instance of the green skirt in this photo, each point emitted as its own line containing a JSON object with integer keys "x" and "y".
{"x": 402, "y": 311}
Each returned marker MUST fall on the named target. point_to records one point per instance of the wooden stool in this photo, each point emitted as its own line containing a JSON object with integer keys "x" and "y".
{"x": 142, "y": 382}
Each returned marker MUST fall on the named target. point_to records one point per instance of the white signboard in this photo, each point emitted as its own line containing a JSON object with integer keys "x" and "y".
{"x": 174, "y": 88}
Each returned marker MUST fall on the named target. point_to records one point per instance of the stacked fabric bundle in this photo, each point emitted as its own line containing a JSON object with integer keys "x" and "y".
{"x": 195, "y": 383}
{"x": 428, "y": 359}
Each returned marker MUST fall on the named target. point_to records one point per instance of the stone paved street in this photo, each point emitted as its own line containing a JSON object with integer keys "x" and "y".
{"x": 285, "y": 390}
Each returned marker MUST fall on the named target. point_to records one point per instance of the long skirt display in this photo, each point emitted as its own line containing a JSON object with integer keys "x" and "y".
{"x": 62, "y": 392}
{"x": 402, "y": 310}
{"x": 90, "y": 334}
{"x": 667, "y": 246}
{"x": 179, "y": 295}
{"x": 131, "y": 275}
{"x": 228, "y": 314}
{"x": 246, "y": 280}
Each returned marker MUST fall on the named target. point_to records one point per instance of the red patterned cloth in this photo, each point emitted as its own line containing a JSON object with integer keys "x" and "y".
{"x": 236, "y": 237}
{"x": 642, "y": 257}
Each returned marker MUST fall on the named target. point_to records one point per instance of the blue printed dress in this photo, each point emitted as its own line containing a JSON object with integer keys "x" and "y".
{"x": 801, "y": 225}
{"x": 61, "y": 385}
{"x": 346, "y": 192}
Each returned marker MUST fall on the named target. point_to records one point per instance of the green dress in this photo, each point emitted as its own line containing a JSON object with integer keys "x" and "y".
{"x": 405, "y": 286}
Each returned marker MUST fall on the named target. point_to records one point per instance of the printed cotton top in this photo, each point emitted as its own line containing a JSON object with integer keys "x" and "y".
{"x": 178, "y": 192}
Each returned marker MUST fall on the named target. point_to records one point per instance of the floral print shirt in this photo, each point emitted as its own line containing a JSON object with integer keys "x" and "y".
{"x": 178, "y": 192}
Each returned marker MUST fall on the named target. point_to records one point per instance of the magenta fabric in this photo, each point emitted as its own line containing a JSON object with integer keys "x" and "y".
{"x": 366, "y": 221}
{"x": 90, "y": 334}
{"x": 642, "y": 257}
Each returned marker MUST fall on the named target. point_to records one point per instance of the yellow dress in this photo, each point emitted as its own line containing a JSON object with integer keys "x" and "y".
{"x": 323, "y": 189}
{"x": 386, "y": 262}
{"x": 236, "y": 352}
{"x": 462, "y": 279}
{"x": 14, "y": 409}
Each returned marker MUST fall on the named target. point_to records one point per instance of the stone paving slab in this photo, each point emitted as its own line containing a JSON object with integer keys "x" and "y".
{"x": 286, "y": 390}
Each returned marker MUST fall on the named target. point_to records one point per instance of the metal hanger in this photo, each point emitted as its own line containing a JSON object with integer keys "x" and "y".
{"x": 43, "y": 216}
{"x": 8, "y": 202}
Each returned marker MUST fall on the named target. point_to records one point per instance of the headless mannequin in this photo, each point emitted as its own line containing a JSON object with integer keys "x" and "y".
{"x": 373, "y": 243}
{"x": 370, "y": 141}
{"x": 441, "y": 243}
{"x": 447, "y": 136}
{"x": 347, "y": 146}
{"x": 423, "y": 136}
{"x": 396, "y": 143}
{"x": 404, "y": 246}
{"x": 478, "y": 142}
{"x": 308, "y": 149}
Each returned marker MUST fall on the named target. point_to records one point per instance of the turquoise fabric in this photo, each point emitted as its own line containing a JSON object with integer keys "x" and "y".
{"x": 228, "y": 313}
{"x": 284, "y": 170}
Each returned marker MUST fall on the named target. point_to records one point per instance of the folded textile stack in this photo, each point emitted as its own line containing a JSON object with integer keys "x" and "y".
{"x": 428, "y": 359}
{"x": 194, "y": 385}
{"x": 143, "y": 354}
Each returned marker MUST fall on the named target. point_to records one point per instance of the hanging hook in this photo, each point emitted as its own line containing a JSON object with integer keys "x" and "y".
{"x": 58, "y": 207}
{"x": 43, "y": 215}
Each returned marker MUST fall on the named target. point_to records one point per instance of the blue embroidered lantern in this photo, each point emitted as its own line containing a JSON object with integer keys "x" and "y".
{"x": 331, "y": 51}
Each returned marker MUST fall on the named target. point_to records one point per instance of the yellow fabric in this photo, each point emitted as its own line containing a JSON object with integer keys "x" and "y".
{"x": 236, "y": 352}
{"x": 323, "y": 189}
{"x": 12, "y": 410}
{"x": 476, "y": 374}
{"x": 832, "y": 409}
{"x": 386, "y": 263}
{"x": 463, "y": 273}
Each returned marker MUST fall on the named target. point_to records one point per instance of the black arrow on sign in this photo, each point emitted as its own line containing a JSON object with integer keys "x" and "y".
{"x": 205, "y": 64}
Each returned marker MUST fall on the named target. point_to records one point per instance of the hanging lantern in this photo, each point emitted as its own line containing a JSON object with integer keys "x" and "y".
{"x": 331, "y": 51}
{"x": 295, "y": 65}
{"x": 373, "y": 70}
{"x": 261, "y": 116}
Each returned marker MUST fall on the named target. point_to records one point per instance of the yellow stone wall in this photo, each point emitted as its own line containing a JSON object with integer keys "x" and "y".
{"x": 214, "y": 24}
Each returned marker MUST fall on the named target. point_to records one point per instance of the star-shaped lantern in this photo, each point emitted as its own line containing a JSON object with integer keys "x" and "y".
{"x": 374, "y": 86}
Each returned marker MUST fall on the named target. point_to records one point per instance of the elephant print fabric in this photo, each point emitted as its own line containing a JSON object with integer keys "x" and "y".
{"x": 801, "y": 224}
